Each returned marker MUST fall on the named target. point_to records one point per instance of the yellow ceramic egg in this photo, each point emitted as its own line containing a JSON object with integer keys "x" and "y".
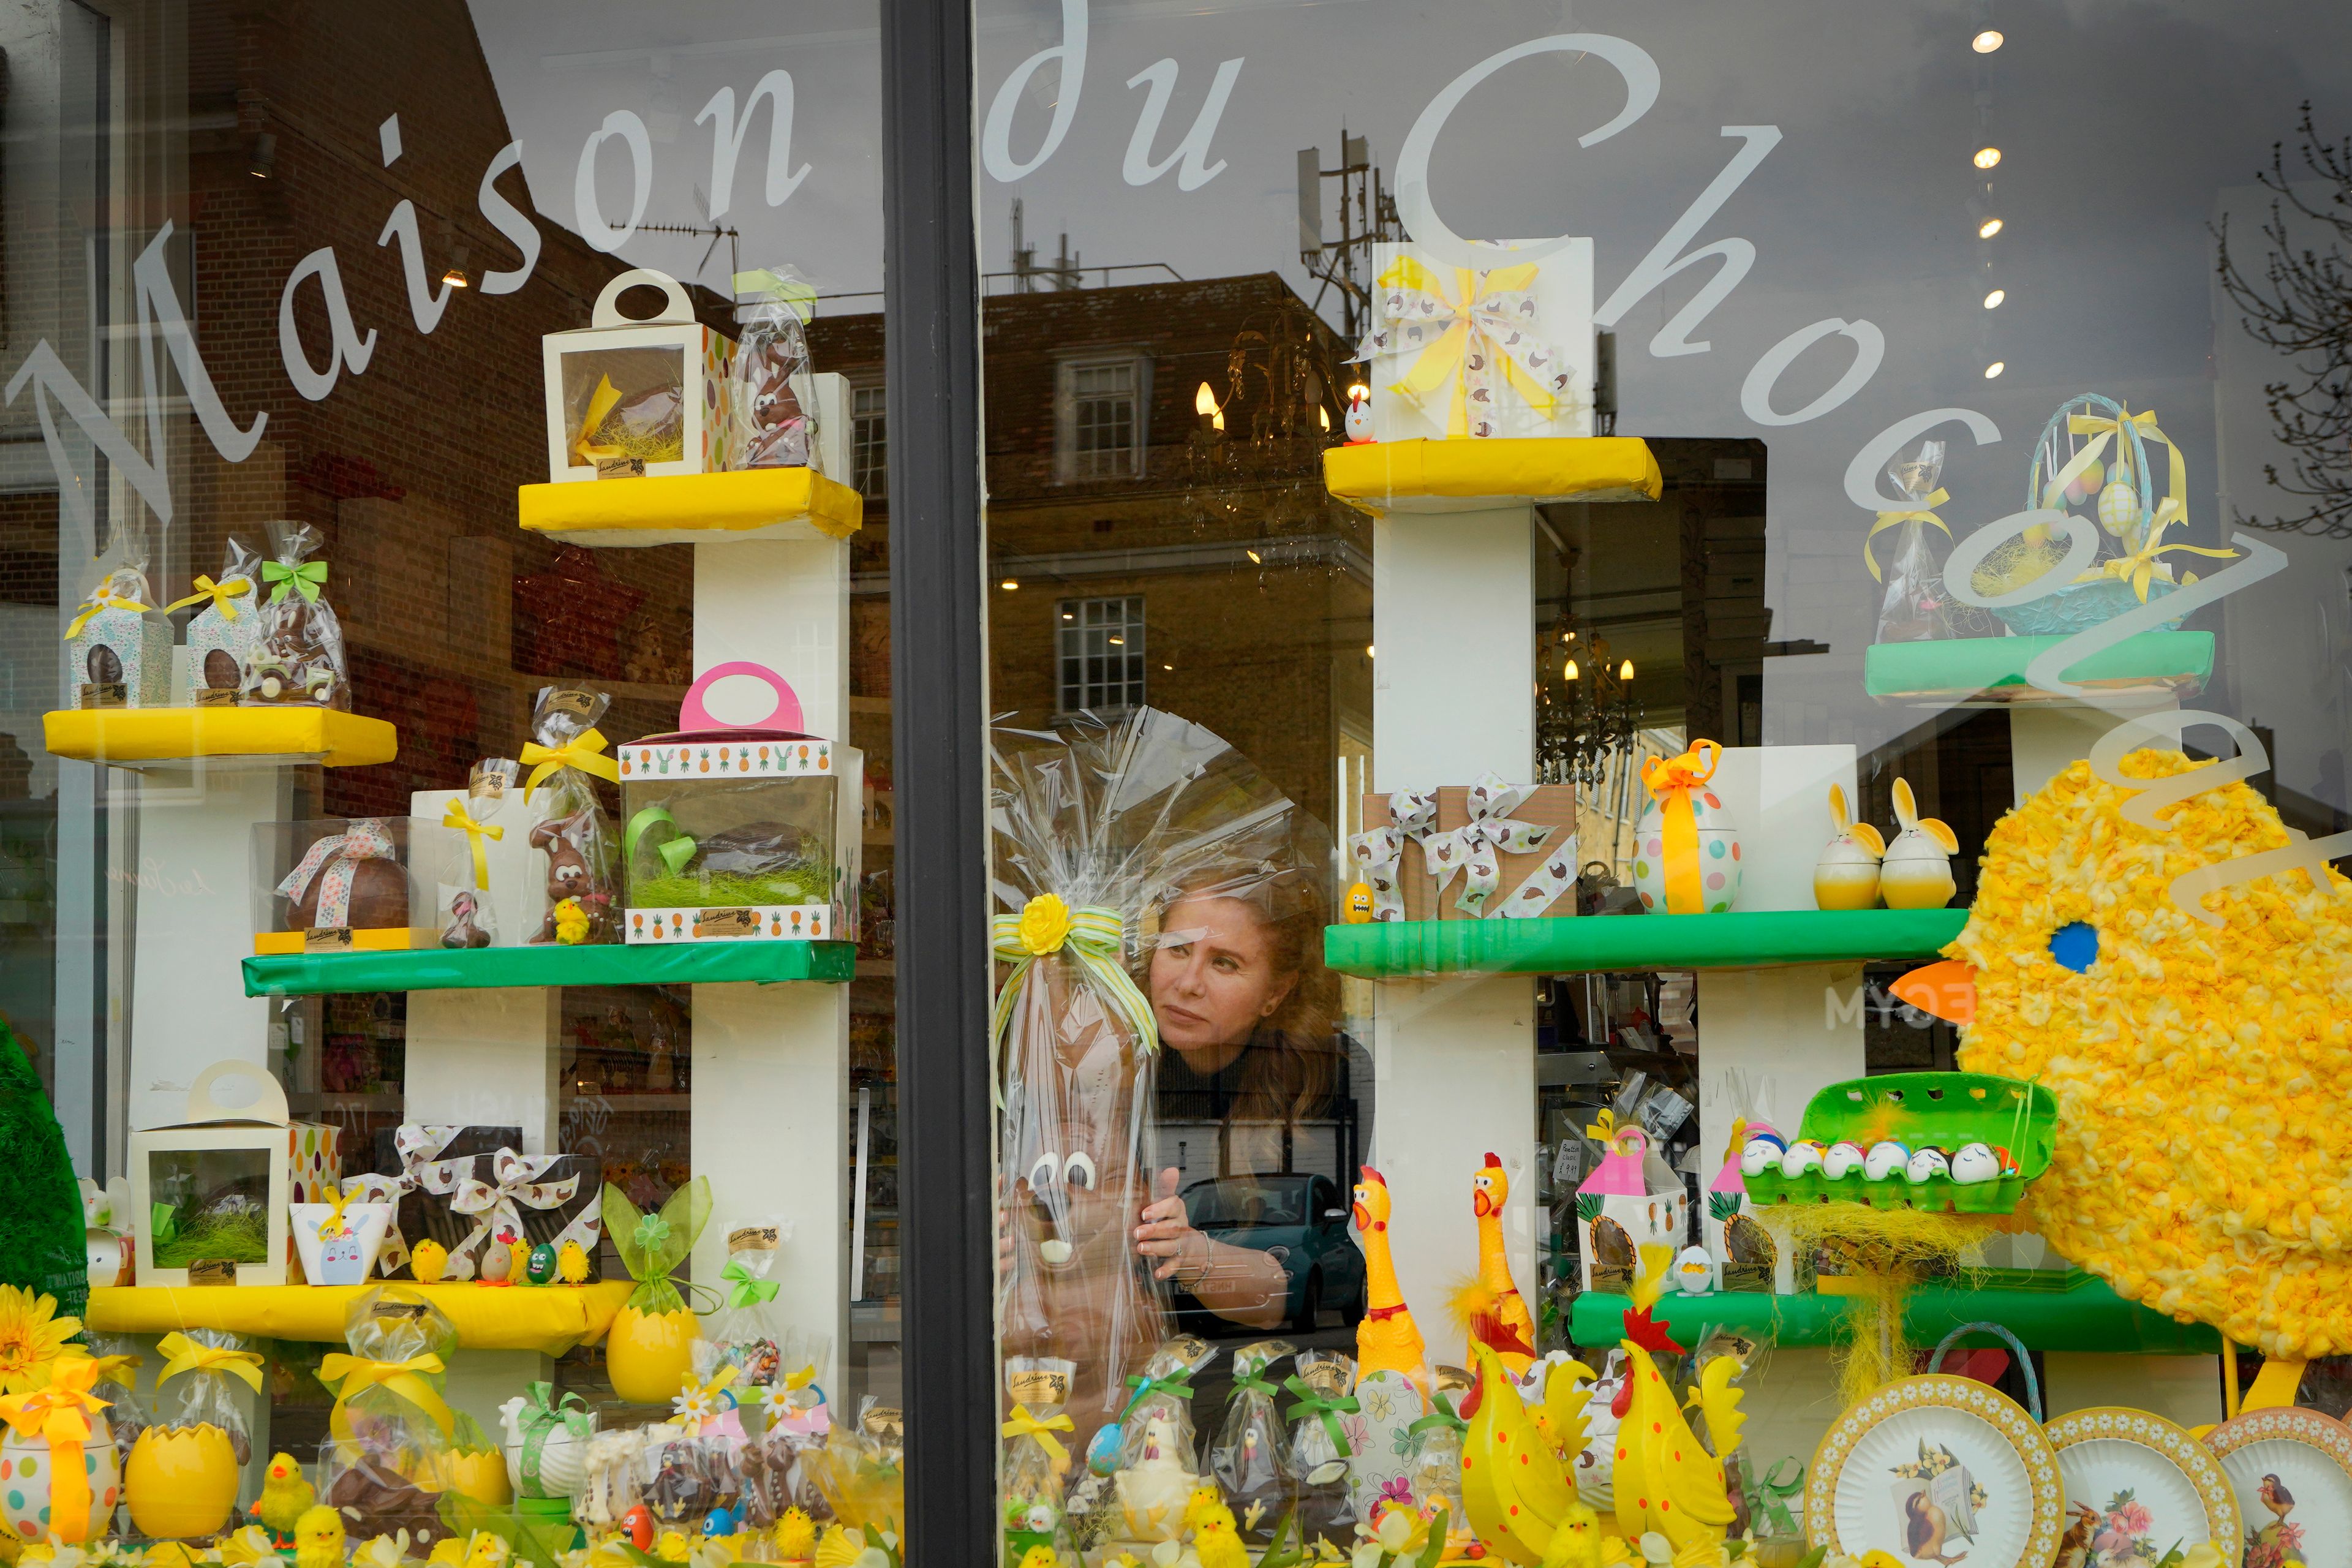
{"x": 649, "y": 1355}
{"x": 572, "y": 1264}
{"x": 478, "y": 1473}
{"x": 426, "y": 1259}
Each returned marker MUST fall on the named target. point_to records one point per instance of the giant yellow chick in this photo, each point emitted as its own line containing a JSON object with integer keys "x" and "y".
{"x": 2202, "y": 1062}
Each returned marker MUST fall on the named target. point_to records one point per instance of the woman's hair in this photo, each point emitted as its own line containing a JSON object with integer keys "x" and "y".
{"x": 1290, "y": 1066}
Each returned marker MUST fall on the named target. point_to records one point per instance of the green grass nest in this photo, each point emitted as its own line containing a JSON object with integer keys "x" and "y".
{"x": 228, "y": 1237}
{"x": 723, "y": 889}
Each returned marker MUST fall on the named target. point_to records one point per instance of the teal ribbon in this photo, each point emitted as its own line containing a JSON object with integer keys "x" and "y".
{"x": 1328, "y": 1411}
{"x": 541, "y": 1416}
{"x": 743, "y": 1289}
{"x": 306, "y": 579}
{"x": 1175, "y": 1385}
{"x": 1441, "y": 1417}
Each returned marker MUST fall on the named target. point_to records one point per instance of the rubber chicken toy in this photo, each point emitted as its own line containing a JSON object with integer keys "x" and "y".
{"x": 1388, "y": 1340}
{"x": 1489, "y": 1306}
{"x": 319, "y": 1538}
{"x": 1665, "y": 1481}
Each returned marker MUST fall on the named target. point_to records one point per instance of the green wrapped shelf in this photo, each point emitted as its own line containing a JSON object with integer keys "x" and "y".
{"x": 1389, "y": 950}
{"x": 1990, "y": 672}
{"x": 2090, "y": 1317}
{"x": 607, "y": 963}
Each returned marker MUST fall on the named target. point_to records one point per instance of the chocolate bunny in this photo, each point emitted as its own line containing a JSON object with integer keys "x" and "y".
{"x": 570, "y": 874}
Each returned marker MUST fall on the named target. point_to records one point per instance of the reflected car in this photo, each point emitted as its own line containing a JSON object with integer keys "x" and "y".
{"x": 1302, "y": 1222}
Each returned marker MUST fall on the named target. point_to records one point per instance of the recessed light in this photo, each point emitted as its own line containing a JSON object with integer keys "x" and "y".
{"x": 1987, "y": 228}
{"x": 1256, "y": 559}
{"x": 1984, "y": 43}
{"x": 1987, "y": 157}
{"x": 1993, "y": 300}
{"x": 1995, "y": 368}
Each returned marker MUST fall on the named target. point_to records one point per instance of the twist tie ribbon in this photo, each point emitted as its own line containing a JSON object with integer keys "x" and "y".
{"x": 221, "y": 595}
{"x": 336, "y": 1202}
{"x": 1024, "y": 1424}
{"x": 1379, "y": 851}
{"x": 584, "y": 751}
{"x": 1441, "y": 1417}
{"x": 366, "y": 839}
{"x": 459, "y": 817}
{"x": 1488, "y": 323}
{"x": 1175, "y": 1385}
{"x": 1886, "y": 520}
{"x": 357, "y": 1375}
{"x": 1328, "y": 1411}
{"x": 744, "y": 1290}
{"x": 1477, "y": 849}
{"x": 1094, "y": 937}
{"x": 306, "y": 579}
{"x": 182, "y": 1353}
{"x": 59, "y": 1416}
{"x": 540, "y": 1416}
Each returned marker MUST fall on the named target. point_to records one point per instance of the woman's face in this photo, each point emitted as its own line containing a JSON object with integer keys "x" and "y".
{"x": 1212, "y": 975}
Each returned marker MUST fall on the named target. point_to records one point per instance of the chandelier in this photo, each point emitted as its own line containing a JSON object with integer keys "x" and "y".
{"x": 1586, "y": 712}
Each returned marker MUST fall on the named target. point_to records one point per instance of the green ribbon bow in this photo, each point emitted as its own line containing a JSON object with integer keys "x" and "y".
{"x": 1768, "y": 1498}
{"x": 1328, "y": 1411}
{"x": 1094, "y": 936}
{"x": 1175, "y": 1385}
{"x": 1441, "y": 1417}
{"x": 743, "y": 1290}
{"x": 162, "y": 1223}
{"x": 1246, "y": 1384}
{"x": 306, "y": 579}
{"x": 540, "y": 1417}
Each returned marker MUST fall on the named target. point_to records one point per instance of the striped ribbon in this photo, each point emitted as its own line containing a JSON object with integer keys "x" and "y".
{"x": 1095, "y": 936}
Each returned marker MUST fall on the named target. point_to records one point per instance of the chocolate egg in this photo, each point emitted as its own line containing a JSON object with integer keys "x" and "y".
{"x": 1926, "y": 1165}
{"x": 1803, "y": 1158}
{"x": 1885, "y": 1159}
{"x": 1975, "y": 1162}
{"x": 1843, "y": 1159}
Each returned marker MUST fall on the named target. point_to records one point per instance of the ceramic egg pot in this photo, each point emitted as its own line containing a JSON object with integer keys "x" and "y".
{"x": 1686, "y": 848}
{"x": 479, "y": 1474}
{"x": 25, "y": 1482}
{"x": 181, "y": 1484}
{"x": 648, "y": 1356}
{"x": 1917, "y": 871}
{"x": 1846, "y": 875}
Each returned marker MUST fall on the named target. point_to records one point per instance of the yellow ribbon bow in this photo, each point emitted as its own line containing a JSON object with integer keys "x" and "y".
{"x": 182, "y": 1353}
{"x": 1094, "y": 937}
{"x": 1024, "y": 1424}
{"x": 580, "y": 752}
{"x": 1671, "y": 780}
{"x": 459, "y": 817}
{"x": 1887, "y": 520}
{"x": 99, "y": 601}
{"x": 2142, "y": 565}
{"x": 1479, "y": 330}
{"x": 357, "y": 1373}
{"x": 220, "y": 594}
{"x": 336, "y": 1202}
{"x": 1665, "y": 776}
{"x": 1602, "y": 1128}
{"x": 59, "y": 1416}
{"x": 114, "y": 1368}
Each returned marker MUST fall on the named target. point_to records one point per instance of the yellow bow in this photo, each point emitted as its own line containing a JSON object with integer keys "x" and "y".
{"x": 59, "y": 1416}
{"x": 1602, "y": 1129}
{"x": 220, "y": 594}
{"x": 1663, "y": 776}
{"x": 601, "y": 403}
{"x": 459, "y": 817}
{"x": 336, "y": 1202}
{"x": 97, "y": 602}
{"x": 580, "y": 752}
{"x": 357, "y": 1373}
{"x": 1024, "y": 1424}
{"x": 1887, "y": 520}
{"x": 182, "y": 1353}
{"x": 1467, "y": 309}
{"x": 2142, "y": 565}
{"x": 114, "y": 1368}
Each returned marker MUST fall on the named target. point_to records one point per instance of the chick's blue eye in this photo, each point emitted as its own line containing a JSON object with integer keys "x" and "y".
{"x": 2075, "y": 945}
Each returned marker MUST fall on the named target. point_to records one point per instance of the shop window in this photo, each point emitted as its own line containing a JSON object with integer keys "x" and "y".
{"x": 869, "y": 444}
{"x": 1100, "y": 649}
{"x": 1099, "y": 424}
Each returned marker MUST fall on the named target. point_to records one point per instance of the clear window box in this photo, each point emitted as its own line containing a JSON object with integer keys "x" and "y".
{"x": 627, "y": 391}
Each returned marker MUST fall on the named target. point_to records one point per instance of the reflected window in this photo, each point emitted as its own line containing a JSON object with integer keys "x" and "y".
{"x": 1101, "y": 648}
{"x": 1098, "y": 431}
{"x": 869, "y": 444}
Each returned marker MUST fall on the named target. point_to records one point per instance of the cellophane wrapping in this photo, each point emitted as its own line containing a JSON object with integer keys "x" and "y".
{"x": 583, "y": 853}
{"x": 389, "y": 1437}
{"x": 1245, "y": 1456}
{"x": 299, "y": 662}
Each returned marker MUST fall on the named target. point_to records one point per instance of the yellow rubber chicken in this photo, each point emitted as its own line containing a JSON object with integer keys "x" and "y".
{"x": 1388, "y": 1340}
{"x": 285, "y": 1497}
{"x": 1488, "y": 1308}
{"x": 2087, "y": 963}
{"x": 796, "y": 1536}
{"x": 319, "y": 1538}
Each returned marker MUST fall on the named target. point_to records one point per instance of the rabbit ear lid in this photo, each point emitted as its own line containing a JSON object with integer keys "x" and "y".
{"x": 1868, "y": 837}
{"x": 1940, "y": 833}
{"x": 1907, "y": 808}
{"x": 1837, "y": 807}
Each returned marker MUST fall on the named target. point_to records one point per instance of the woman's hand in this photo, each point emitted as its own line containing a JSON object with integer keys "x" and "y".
{"x": 1167, "y": 1232}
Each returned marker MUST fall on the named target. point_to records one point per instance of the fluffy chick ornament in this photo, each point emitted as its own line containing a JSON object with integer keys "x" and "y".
{"x": 2201, "y": 1060}
{"x": 319, "y": 1538}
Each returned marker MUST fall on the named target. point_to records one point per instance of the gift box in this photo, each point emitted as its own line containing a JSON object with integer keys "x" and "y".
{"x": 631, "y": 396}
{"x": 333, "y": 885}
{"x": 1504, "y": 852}
{"x": 224, "y": 634}
{"x": 1391, "y": 853}
{"x": 214, "y": 1191}
{"x": 741, "y": 834}
{"x": 118, "y": 647}
{"x": 1632, "y": 1200}
{"x": 417, "y": 1168}
{"x": 489, "y": 884}
{"x": 466, "y": 1190}
{"x": 1504, "y": 351}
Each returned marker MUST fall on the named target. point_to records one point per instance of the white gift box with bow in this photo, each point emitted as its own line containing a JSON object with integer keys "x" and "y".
{"x": 1506, "y": 352}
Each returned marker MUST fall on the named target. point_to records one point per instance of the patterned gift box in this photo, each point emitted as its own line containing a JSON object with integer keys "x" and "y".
{"x": 1504, "y": 852}
{"x": 465, "y": 1187}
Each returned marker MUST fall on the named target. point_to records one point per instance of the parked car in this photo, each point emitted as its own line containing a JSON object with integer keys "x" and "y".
{"x": 1300, "y": 1221}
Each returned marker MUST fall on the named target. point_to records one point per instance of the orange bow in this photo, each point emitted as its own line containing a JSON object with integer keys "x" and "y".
{"x": 60, "y": 1416}
{"x": 1663, "y": 776}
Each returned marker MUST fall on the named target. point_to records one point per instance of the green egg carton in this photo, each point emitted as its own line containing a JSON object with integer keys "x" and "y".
{"x": 1918, "y": 1108}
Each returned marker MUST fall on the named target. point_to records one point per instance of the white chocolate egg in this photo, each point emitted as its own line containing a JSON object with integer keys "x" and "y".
{"x": 1761, "y": 1154}
{"x": 1885, "y": 1159}
{"x": 1843, "y": 1159}
{"x": 1924, "y": 1165}
{"x": 1803, "y": 1158}
{"x": 1975, "y": 1162}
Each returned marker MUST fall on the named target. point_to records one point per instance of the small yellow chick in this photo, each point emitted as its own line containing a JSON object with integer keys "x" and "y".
{"x": 488, "y": 1550}
{"x": 571, "y": 922}
{"x": 796, "y": 1536}
{"x": 1039, "y": 1557}
{"x": 285, "y": 1496}
{"x": 319, "y": 1538}
{"x": 671, "y": 1545}
{"x": 1217, "y": 1543}
{"x": 572, "y": 1264}
{"x": 426, "y": 1259}
{"x": 1575, "y": 1540}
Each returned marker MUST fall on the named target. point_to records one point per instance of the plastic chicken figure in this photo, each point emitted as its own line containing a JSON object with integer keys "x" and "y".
{"x": 1664, "y": 1483}
{"x": 2149, "y": 955}
{"x": 1489, "y": 1307}
{"x": 1516, "y": 1489}
{"x": 285, "y": 1497}
{"x": 1388, "y": 1340}
{"x": 319, "y": 1538}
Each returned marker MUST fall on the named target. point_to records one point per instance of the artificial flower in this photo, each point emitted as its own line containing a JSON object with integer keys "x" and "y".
{"x": 1045, "y": 924}
{"x": 32, "y": 1337}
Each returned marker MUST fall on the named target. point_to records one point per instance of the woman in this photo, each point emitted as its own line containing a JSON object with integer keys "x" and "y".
{"x": 1249, "y": 1065}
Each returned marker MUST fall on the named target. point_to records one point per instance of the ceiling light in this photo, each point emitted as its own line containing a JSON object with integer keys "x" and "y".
{"x": 1012, "y": 583}
{"x": 1987, "y": 228}
{"x": 264, "y": 161}
{"x": 453, "y": 278}
{"x": 1167, "y": 667}
{"x": 1984, "y": 43}
{"x": 1995, "y": 368}
{"x": 1987, "y": 157}
{"x": 1256, "y": 560}
{"x": 1359, "y": 391}
{"x": 1993, "y": 300}
{"x": 1068, "y": 616}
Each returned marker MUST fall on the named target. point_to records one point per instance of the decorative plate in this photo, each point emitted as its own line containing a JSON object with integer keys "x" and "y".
{"x": 2292, "y": 1471}
{"x": 1929, "y": 1469}
{"x": 2145, "y": 1481}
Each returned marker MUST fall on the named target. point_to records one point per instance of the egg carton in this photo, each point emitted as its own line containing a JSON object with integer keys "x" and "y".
{"x": 1945, "y": 1112}
{"x": 1937, "y": 1194}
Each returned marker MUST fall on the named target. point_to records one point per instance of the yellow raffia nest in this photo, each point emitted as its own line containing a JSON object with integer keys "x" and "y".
{"x": 2202, "y": 1073}
{"x": 1887, "y": 1252}
{"x": 2013, "y": 564}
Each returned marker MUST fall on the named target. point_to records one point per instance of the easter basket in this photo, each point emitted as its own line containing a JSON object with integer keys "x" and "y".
{"x": 1918, "y": 1112}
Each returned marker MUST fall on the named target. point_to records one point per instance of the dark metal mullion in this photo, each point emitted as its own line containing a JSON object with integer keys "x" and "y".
{"x": 939, "y": 690}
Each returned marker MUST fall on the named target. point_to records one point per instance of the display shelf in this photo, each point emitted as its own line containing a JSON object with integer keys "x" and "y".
{"x": 221, "y": 737}
{"x": 2090, "y": 1317}
{"x": 604, "y": 964}
{"x": 553, "y": 1318}
{"x": 1990, "y": 672}
{"x": 1390, "y": 950}
{"x": 1423, "y": 476}
{"x": 693, "y": 509}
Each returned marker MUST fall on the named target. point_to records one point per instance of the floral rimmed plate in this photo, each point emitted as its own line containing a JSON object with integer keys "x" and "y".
{"x": 2141, "y": 1485}
{"x": 2292, "y": 1472}
{"x": 1934, "y": 1468}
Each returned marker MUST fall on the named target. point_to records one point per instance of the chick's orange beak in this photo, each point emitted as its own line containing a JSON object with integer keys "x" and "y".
{"x": 1946, "y": 991}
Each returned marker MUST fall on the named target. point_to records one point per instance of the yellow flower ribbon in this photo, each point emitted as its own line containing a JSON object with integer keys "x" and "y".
{"x": 220, "y": 594}
{"x": 59, "y": 1416}
{"x": 1472, "y": 320}
{"x": 182, "y": 1353}
{"x": 1094, "y": 937}
{"x": 1887, "y": 520}
{"x": 459, "y": 817}
{"x": 406, "y": 1378}
{"x": 100, "y": 601}
{"x": 1024, "y": 1424}
{"x": 1669, "y": 781}
{"x": 584, "y": 751}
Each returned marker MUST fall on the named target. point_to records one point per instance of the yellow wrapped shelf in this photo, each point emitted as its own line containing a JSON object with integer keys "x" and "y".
{"x": 693, "y": 509}
{"x": 552, "y": 1317}
{"x": 262, "y": 736}
{"x": 1465, "y": 476}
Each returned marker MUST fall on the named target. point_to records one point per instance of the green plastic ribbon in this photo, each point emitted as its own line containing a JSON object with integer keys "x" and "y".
{"x": 541, "y": 1415}
{"x": 306, "y": 579}
{"x": 674, "y": 852}
{"x": 1175, "y": 1385}
{"x": 743, "y": 1290}
{"x": 1250, "y": 1384}
{"x": 1093, "y": 935}
{"x": 162, "y": 1223}
{"x": 1328, "y": 1411}
{"x": 1441, "y": 1417}
{"x": 1768, "y": 1498}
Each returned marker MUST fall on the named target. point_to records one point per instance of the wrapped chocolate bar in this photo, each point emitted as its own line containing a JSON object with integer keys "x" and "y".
{"x": 744, "y": 1332}
{"x": 298, "y": 660}
{"x": 564, "y": 757}
{"x": 1036, "y": 1456}
{"x": 773, "y": 402}
{"x": 224, "y": 634}
{"x": 1245, "y": 1456}
{"x": 469, "y": 913}
{"x": 391, "y": 1428}
{"x": 182, "y": 1476}
{"x": 118, "y": 645}
{"x": 1319, "y": 1447}
{"x": 609, "y": 1483}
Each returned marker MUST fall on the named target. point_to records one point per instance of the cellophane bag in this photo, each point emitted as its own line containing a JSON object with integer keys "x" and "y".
{"x": 792, "y": 1419}
{"x": 1434, "y": 1473}
{"x": 1034, "y": 1469}
{"x": 468, "y": 916}
{"x": 119, "y": 1361}
{"x": 1101, "y": 827}
{"x": 774, "y": 405}
{"x": 299, "y": 662}
{"x": 685, "y": 1479}
{"x": 860, "y": 1471}
{"x": 389, "y": 1434}
{"x": 1912, "y": 606}
{"x": 744, "y": 1331}
{"x": 222, "y": 633}
{"x": 196, "y": 1436}
{"x": 1246, "y": 1456}
{"x": 1317, "y": 1453}
{"x": 561, "y": 765}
